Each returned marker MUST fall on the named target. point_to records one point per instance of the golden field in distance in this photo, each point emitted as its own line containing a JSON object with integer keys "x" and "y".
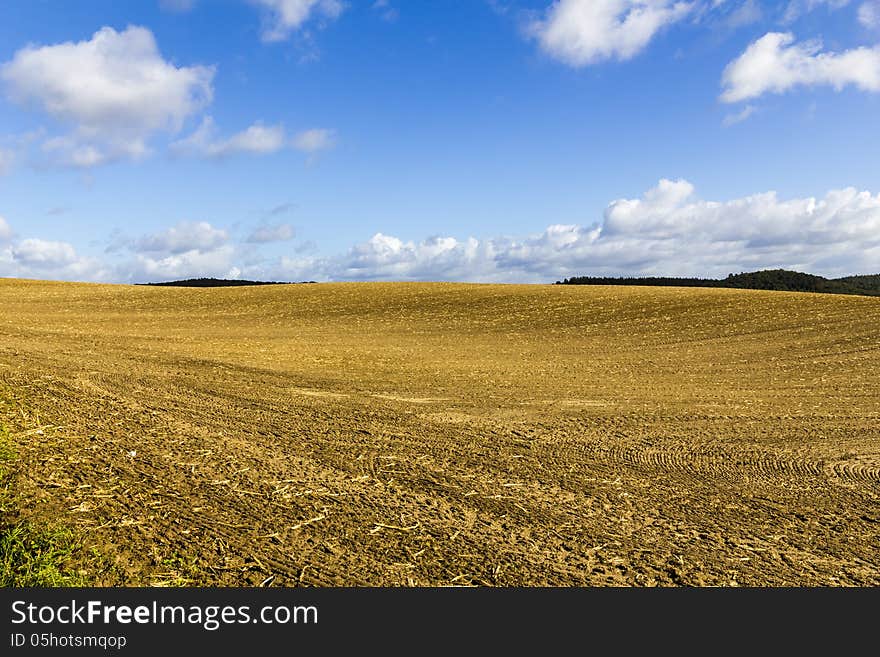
{"x": 449, "y": 434}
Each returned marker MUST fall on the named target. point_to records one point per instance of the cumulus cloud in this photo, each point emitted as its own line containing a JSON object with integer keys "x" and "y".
{"x": 45, "y": 259}
{"x": 72, "y": 151}
{"x": 583, "y": 32}
{"x": 258, "y": 139}
{"x": 114, "y": 90}
{"x": 214, "y": 263}
{"x": 314, "y": 140}
{"x": 183, "y": 251}
{"x": 776, "y": 64}
{"x": 670, "y": 211}
{"x": 283, "y": 17}
{"x": 187, "y": 250}
{"x": 389, "y": 258}
{"x": 668, "y": 231}
{"x": 869, "y": 14}
{"x": 184, "y": 237}
{"x": 44, "y": 253}
{"x": 271, "y": 233}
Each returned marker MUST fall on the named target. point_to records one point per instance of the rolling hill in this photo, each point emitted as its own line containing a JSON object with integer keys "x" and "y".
{"x": 446, "y": 434}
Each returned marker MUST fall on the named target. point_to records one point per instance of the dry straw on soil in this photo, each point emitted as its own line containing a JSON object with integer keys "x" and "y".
{"x": 412, "y": 434}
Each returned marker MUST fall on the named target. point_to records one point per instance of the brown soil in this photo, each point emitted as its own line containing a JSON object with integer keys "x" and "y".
{"x": 435, "y": 434}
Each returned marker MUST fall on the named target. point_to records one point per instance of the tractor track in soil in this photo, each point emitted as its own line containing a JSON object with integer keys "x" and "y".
{"x": 442, "y": 434}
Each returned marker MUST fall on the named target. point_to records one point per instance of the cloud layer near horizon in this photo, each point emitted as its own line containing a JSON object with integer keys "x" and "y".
{"x": 669, "y": 230}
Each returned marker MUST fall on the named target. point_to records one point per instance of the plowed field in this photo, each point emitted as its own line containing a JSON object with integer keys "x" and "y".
{"x": 448, "y": 434}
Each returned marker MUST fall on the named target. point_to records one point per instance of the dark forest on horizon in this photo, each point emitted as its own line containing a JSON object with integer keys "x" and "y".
{"x": 770, "y": 279}
{"x": 218, "y": 282}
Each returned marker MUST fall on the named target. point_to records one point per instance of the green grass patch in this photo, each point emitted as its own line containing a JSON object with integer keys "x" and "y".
{"x": 31, "y": 554}
{"x": 38, "y": 556}
{"x": 8, "y": 457}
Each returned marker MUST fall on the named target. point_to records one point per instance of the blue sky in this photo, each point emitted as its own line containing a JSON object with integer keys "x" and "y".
{"x": 510, "y": 141}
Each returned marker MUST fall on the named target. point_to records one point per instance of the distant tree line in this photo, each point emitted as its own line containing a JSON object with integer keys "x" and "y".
{"x": 770, "y": 279}
{"x": 218, "y": 282}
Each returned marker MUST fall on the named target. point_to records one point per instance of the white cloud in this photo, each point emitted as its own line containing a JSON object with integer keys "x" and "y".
{"x": 389, "y": 258}
{"x": 775, "y": 64}
{"x": 185, "y": 236}
{"x": 869, "y": 14}
{"x": 186, "y": 250}
{"x": 287, "y": 16}
{"x": 5, "y": 230}
{"x": 668, "y": 231}
{"x": 796, "y": 8}
{"x": 47, "y": 259}
{"x": 214, "y": 263}
{"x": 115, "y": 90}
{"x": 271, "y": 233}
{"x": 738, "y": 117}
{"x": 653, "y": 214}
{"x": 258, "y": 139}
{"x": 583, "y": 32}
{"x": 73, "y": 152}
{"x": 44, "y": 253}
{"x": 670, "y": 211}
{"x": 183, "y": 251}
{"x": 314, "y": 140}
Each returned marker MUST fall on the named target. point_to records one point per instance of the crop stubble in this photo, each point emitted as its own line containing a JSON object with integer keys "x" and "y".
{"x": 432, "y": 434}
